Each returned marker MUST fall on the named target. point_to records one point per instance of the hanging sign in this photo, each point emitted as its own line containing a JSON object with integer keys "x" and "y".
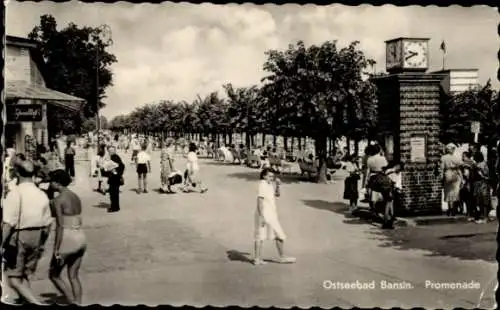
{"x": 24, "y": 113}
{"x": 418, "y": 149}
{"x": 475, "y": 127}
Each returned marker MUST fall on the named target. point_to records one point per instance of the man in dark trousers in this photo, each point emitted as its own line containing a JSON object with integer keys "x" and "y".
{"x": 115, "y": 180}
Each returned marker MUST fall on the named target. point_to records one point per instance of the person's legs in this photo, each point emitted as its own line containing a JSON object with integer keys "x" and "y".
{"x": 56, "y": 268}
{"x": 145, "y": 181}
{"x": 257, "y": 252}
{"x": 139, "y": 182}
{"x": 72, "y": 168}
{"x": 114, "y": 195}
{"x": 74, "y": 264}
{"x": 21, "y": 286}
{"x": 281, "y": 252}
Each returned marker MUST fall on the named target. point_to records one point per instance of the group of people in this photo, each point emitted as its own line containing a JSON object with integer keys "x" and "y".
{"x": 468, "y": 183}
{"x": 381, "y": 183}
{"x": 108, "y": 165}
{"x": 29, "y": 212}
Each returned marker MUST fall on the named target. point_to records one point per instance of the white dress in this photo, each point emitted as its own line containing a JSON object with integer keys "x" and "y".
{"x": 267, "y": 225}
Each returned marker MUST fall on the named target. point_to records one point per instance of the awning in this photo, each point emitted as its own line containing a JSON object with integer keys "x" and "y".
{"x": 24, "y": 90}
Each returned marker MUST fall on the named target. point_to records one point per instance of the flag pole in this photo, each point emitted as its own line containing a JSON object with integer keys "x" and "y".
{"x": 443, "y": 50}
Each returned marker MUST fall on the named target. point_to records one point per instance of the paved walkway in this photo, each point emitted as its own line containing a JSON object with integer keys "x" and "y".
{"x": 193, "y": 249}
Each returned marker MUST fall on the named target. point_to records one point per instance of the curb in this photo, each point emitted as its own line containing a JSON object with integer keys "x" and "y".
{"x": 366, "y": 214}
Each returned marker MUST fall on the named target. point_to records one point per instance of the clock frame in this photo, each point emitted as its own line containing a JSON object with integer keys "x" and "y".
{"x": 407, "y": 55}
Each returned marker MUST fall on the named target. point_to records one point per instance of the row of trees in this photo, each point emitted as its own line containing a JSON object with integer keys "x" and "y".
{"x": 317, "y": 91}
{"x": 320, "y": 91}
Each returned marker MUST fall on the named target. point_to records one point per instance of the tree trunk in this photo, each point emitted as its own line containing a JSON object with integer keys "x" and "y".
{"x": 300, "y": 143}
{"x": 263, "y": 140}
{"x": 285, "y": 143}
{"x": 275, "y": 139}
{"x": 356, "y": 147}
{"x": 231, "y": 139}
{"x": 248, "y": 140}
{"x": 252, "y": 140}
{"x": 320, "y": 144}
{"x": 218, "y": 140}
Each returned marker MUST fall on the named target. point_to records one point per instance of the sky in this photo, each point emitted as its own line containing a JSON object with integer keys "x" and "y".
{"x": 176, "y": 51}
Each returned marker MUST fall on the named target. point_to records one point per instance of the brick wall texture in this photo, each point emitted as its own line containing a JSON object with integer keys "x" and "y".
{"x": 410, "y": 106}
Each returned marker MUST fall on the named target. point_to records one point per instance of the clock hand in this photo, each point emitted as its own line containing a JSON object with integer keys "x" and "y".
{"x": 411, "y": 56}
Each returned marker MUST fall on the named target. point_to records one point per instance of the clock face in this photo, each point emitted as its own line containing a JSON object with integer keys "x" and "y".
{"x": 393, "y": 55}
{"x": 415, "y": 55}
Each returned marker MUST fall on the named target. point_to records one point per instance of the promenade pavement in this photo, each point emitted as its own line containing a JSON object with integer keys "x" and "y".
{"x": 194, "y": 249}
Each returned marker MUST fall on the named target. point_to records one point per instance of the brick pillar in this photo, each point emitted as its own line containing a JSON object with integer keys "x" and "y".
{"x": 409, "y": 110}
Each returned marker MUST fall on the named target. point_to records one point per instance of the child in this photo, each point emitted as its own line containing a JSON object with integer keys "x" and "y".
{"x": 143, "y": 161}
{"x": 351, "y": 182}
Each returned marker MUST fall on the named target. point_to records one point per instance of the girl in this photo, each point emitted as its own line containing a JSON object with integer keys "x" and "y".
{"x": 143, "y": 168}
{"x": 70, "y": 244}
{"x": 267, "y": 225}
{"x": 351, "y": 182}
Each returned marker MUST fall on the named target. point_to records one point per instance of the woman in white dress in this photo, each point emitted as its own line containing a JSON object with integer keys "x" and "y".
{"x": 267, "y": 225}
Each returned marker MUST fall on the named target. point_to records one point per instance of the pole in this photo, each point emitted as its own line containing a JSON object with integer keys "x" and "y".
{"x": 98, "y": 120}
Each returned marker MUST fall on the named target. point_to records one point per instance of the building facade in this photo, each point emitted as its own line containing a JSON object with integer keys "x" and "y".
{"x": 27, "y": 95}
{"x": 459, "y": 80}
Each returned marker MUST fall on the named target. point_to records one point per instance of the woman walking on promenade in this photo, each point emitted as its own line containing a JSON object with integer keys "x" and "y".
{"x": 167, "y": 166}
{"x": 267, "y": 225}
{"x": 70, "y": 243}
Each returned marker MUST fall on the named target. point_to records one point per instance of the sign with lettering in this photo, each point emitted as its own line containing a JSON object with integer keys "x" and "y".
{"x": 475, "y": 127}
{"x": 418, "y": 149}
{"x": 24, "y": 113}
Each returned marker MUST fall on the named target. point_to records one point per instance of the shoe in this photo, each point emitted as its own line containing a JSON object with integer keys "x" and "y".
{"x": 259, "y": 262}
{"x": 287, "y": 260}
{"x": 145, "y": 191}
{"x": 204, "y": 190}
{"x": 112, "y": 211}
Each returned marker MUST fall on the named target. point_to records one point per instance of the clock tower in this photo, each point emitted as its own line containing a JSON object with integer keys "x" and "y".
{"x": 409, "y": 123}
{"x": 407, "y": 55}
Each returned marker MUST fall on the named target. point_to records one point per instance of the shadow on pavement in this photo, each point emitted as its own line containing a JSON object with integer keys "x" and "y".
{"x": 102, "y": 205}
{"x": 222, "y": 163}
{"x": 234, "y": 255}
{"x": 53, "y": 298}
{"x": 463, "y": 241}
{"x": 337, "y": 207}
{"x": 255, "y": 175}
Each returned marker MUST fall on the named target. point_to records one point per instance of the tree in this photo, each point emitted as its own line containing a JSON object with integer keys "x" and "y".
{"x": 74, "y": 56}
{"x": 245, "y": 110}
{"x": 316, "y": 84}
{"x": 458, "y": 111}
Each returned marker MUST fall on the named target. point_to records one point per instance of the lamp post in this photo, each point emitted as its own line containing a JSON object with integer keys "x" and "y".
{"x": 104, "y": 37}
